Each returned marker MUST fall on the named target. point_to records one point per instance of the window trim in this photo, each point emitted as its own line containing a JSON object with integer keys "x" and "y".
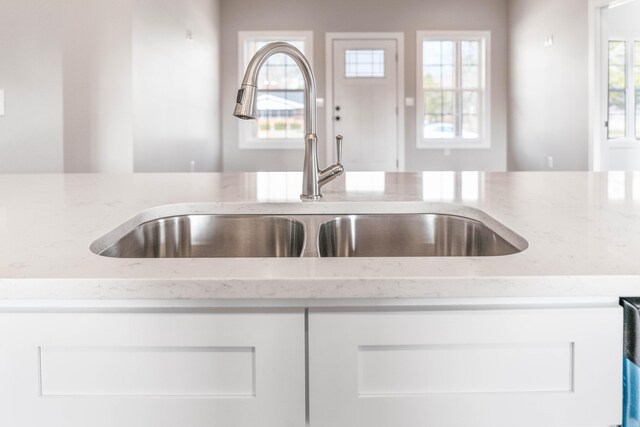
{"x": 484, "y": 142}
{"x": 630, "y": 139}
{"x": 246, "y": 141}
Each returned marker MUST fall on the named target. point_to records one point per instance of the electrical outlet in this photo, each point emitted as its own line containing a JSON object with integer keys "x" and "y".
{"x": 550, "y": 162}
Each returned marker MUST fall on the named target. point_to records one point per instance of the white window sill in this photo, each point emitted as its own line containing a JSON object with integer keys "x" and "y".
{"x": 275, "y": 144}
{"x": 623, "y": 143}
{"x": 453, "y": 144}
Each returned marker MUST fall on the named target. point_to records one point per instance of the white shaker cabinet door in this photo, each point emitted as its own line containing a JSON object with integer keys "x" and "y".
{"x": 483, "y": 368}
{"x": 222, "y": 369}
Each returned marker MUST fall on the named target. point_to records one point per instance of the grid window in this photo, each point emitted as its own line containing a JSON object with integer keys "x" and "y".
{"x": 280, "y": 97}
{"x": 471, "y": 93}
{"x": 617, "y": 90}
{"x": 452, "y": 88}
{"x": 364, "y": 63}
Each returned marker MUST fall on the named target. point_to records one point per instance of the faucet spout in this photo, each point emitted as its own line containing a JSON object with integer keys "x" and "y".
{"x": 246, "y": 99}
{"x": 246, "y": 109}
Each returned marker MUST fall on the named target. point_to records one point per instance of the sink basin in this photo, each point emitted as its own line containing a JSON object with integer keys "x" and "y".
{"x": 212, "y": 236}
{"x": 169, "y": 233}
{"x": 409, "y": 235}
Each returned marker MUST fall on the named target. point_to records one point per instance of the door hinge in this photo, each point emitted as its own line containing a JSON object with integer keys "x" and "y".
{"x": 606, "y": 124}
{"x": 397, "y": 111}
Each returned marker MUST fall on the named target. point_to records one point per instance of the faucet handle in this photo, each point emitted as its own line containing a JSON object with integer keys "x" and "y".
{"x": 339, "y": 139}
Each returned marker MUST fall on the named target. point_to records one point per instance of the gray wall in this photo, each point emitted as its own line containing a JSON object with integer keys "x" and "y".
{"x": 407, "y": 16}
{"x": 110, "y": 85}
{"x": 31, "y": 131}
{"x": 548, "y": 92}
{"x": 176, "y": 82}
{"x": 51, "y": 93}
{"x": 98, "y": 134}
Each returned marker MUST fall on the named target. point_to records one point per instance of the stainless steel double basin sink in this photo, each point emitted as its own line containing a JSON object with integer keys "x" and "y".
{"x": 267, "y": 236}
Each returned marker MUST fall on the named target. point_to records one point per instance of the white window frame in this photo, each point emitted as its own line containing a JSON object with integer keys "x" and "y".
{"x": 246, "y": 140}
{"x": 484, "y": 142}
{"x": 629, "y": 139}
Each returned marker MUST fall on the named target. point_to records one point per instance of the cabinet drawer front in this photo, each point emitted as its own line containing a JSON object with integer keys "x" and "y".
{"x": 138, "y": 370}
{"x": 493, "y": 368}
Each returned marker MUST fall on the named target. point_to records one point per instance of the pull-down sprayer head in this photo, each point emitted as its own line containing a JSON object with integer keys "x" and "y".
{"x": 246, "y": 103}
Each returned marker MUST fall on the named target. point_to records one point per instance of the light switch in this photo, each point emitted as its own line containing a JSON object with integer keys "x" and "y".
{"x": 320, "y": 102}
{"x": 1, "y": 102}
{"x": 409, "y": 102}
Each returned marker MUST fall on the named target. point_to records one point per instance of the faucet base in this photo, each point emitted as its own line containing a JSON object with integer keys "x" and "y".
{"x": 310, "y": 197}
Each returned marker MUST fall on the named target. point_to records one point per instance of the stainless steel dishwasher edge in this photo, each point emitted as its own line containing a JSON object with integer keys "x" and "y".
{"x": 631, "y": 363}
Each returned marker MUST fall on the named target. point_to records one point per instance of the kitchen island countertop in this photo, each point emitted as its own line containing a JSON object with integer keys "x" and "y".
{"x": 583, "y": 231}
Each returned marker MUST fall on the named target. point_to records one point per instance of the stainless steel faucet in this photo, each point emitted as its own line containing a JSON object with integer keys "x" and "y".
{"x": 313, "y": 178}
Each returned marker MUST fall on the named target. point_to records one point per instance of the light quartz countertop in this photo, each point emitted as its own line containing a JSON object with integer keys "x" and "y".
{"x": 583, "y": 231}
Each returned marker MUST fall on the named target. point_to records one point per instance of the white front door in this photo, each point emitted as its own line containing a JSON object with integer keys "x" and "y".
{"x": 365, "y": 102}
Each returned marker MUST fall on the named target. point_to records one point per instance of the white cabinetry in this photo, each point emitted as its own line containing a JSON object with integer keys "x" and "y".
{"x": 152, "y": 369}
{"x": 430, "y": 367}
{"x": 460, "y": 368}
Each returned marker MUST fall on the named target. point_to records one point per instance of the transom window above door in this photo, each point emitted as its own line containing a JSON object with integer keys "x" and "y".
{"x": 280, "y": 99}
{"x": 453, "y": 98}
{"x": 623, "y": 91}
{"x": 364, "y": 63}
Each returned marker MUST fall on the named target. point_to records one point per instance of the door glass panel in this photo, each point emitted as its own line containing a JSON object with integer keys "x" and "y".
{"x": 364, "y": 63}
{"x": 636, "y": 78}
{"x": 617, "y": 90}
